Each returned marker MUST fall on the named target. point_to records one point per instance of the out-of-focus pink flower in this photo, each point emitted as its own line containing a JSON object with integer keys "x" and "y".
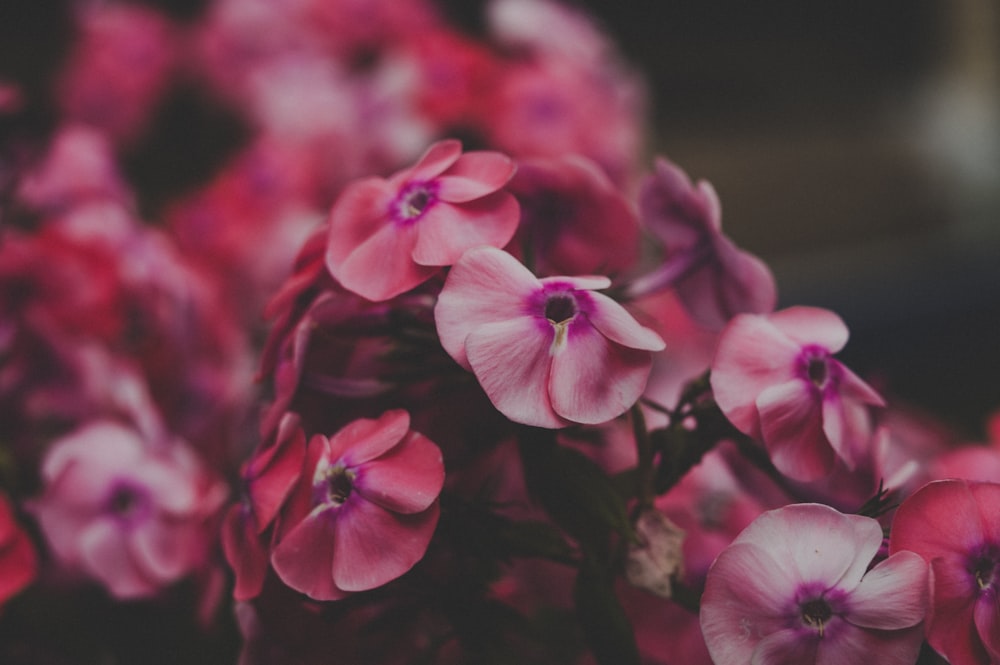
{"x": 364, "y": 510}
{"x": 775, "y": 379}
{"x": 547, "y": 352}
{"x": 793, "y": 588}
{"x": 574, "y": 220}
{"x": 388, "y": 236}
{"x": 713, "y": 278}
{"x": 955, "y": 526}
{"x": 18, "y": 561}
{"x": 134, "y": 515}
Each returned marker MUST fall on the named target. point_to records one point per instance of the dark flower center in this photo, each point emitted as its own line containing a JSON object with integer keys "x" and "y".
{"x": 339, "y": 485}
{"x": 414, "y": 200}
{"x": 815, "y": 614}
{"x": 817, "y": 372}
{"x": 560, "y": 307}
{"x": 127, "y": 503}
{"x": 985, "y": 570}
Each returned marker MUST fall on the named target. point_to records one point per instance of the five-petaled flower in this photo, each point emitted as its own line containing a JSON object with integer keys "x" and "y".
{"x": 388, "y": 236}
{"x": 793, "y": 588}
{"x": 548, "y": 352}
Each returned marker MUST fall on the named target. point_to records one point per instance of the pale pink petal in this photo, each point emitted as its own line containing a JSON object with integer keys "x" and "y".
{"x": 304, "y": 557}
{"x": 486, "y": 286}
{"x": 382, "y": 266}
{"x": 615, "y": 323}
{"x": 892, "y": 595}
{"x": 713, "y": 208}
{"x": 105, "y": 556}
{"x": 812, "y": 325}
{"x": 162, "y": 552}
{"x": 791, "y": 426}
{"x": 475, "y": 175}
{"x": 848, "y": 429}
{"x": 511, "y": 360}
{"x": 751, "y": 355}
{"x": 365, "y": 439}
{"x": 581, "y": 282}
{"x": 375, "y": 546}
{"x": 594, "y": 380}
{"x": 787, "y": 647}
{"x": 407, "y": 479}
{"x": 852, "y": 387}
{"x": 446, "y": 230}
{"x": 845, "y": 644}
{"x": 359, "y": 211}
{"x": 244, "y": 552}
{"x": 435, "y": 161}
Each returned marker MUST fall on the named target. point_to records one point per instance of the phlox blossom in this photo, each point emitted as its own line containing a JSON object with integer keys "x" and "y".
{"x": 793, "y": 588}
{"x": 132, "y": 514}
{"x": 18, "y": 561}
{"x": 363, "y": 511}
{"x": 955, "y": 526}
{"x": 388, "y": 236}
{"x": 548, "y": 352}
{"x": 775, "y": 379}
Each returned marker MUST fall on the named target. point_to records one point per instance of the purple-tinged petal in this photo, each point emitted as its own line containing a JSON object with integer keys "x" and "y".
{"x": 161, "y": 551}
{"x": 435, "y": 161}
{"x": 486, "y": 286}
{"x": 359, "y": 211}
{"x": 365, "y": 439}
{"x": 752, "y": 355}
{"x": 406, "y": 479}
{"x": 848, "y": 429}
{"x": 786, "y": 647}
{"x": 244, "y": 552}
{"x": 987, "y": 619}
{"x": 511, "y": 359}
{"x": 791, "y": 426}
{"x": 987, "y": 498}
{"x": 304, "y": 557}
{"x": 381, "y": 267}
{"x": 951, "y": 626}
{"x": 104, "y": 553}
{"x": 446, "y": 231}
{"x": 615, "y": 323}
{"x": 812, "y": 326}
{"x": 271, "y": 474}
{"x": 845, "y": 644}
{"x": 475, "y": 175}
{"x": 375, "y": 546}
{"x": 892, "y": 595}
{"x": 593, "y": 380}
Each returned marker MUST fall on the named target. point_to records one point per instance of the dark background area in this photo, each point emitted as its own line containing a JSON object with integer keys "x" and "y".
{"x": 855, "y": 146}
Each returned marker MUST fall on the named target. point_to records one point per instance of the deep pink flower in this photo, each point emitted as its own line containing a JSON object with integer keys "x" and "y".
{"x": 776, "y": 380}
{"x": 132, "y": 515}
{"x": 18, "y": 561}
{"x": 388, "y": 236}
{"x": 547, "y": 352}
{"x": 955, "y": 526}
{"x": 793, "y": 588}
{"x": 364, "y": 510}
{"x": 714, "y": 279}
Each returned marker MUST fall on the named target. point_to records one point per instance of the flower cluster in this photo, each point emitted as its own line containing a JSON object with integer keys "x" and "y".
{"x": 518, "y": 397}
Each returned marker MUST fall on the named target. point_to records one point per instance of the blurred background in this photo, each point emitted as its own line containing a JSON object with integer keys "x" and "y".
{"x": 855, "y": 147}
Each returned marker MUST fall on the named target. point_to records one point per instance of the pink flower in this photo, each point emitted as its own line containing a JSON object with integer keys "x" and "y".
{"x": 18, "y": 561}
{"x": 713, "y": 278}
{"x": 792, "y": 588}
{"x": 132, "y": 516}
{"x": 388, "y": 236}
{"x": 955, "y": 526}
{"x": 364, "y": 510}
{"x": 547, "y": 352}
{"x": 775, "y": 379}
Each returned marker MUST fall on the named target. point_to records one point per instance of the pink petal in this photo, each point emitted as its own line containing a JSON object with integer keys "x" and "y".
{"x": 735, "y": 282}
{"x": 446, "y": 230}
{"x": 787, "y": 647}
{"x": 594, "y": 380}
{"x": 272, "y": 474}
{"x": 407, "y": 479}
{"x": 941, "y": 519}
{"x": 435, "y": 161}
{"x": 511, "y": 361}
{"x": 751, "y": 356}
{"x": 791, "y": 426}
{"x": 987, "y": 498}
{"x": 845, "y": 644}
{"x": 162, "y": 553}
{"x": 105, "y": 555}
{"x": 365, "y": 439}
{"x": 18, "y": 566}
{"x": 847, "y": 426}
{"x": 375, "y": 546}
{"x": 580, "y": 282}
{"x": 359, "y": 211}
{"x": 475, "y": 175}
{"x": 486, "y": 286}
{"x": 382, "y": 267}
{"x": 951, "y": 627}
{"x": 892, "y": 595}
{"x": 854, "y": 388}
{"x": 304, "y": 558}
{"x": 619, "y": 326}
{"x": 812, "y": 325}
{"x": 244, "y": 552}
{"x": 987, "y": 619}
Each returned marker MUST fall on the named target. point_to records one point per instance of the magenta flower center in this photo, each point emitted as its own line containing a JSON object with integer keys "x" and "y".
{"x": 127, "y": 503}
{"x": 414, "y": 200}
{"x": 339, "y": 485}
{"x": 816, "y": 367}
